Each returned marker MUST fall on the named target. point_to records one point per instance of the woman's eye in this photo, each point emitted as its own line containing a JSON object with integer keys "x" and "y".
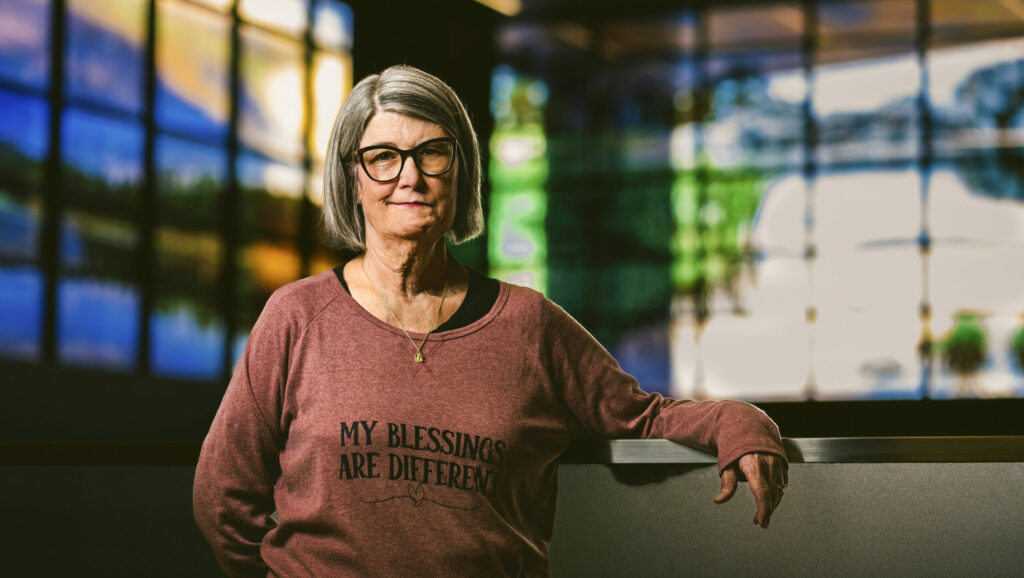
{"x": 382, "y": 157}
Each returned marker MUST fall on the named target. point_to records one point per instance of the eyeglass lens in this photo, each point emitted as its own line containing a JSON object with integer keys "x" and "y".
{"x": 433, "y": 158}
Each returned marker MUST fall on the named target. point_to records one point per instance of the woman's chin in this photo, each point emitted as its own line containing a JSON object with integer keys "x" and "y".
{"x": 425, "y": 233}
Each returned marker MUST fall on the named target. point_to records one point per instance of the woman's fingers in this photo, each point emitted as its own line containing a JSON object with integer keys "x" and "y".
{"x": 766, "y": 474}
{"x": 767, "y": 477}
{"x": 729, "y": 483}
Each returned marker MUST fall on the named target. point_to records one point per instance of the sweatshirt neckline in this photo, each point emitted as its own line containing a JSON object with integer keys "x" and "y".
{"x": 350, "y": 302}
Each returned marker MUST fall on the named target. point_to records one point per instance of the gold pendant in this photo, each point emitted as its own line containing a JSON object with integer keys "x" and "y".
{"x": 419, "y": 356}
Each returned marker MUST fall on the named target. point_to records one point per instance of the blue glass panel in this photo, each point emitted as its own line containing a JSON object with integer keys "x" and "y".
{"x": 97, "y": 323}
{"x": 184, "y": 346}
{"x": 102, "y": 163}
{"x": 645, "y": 354}
{"x": 193, "y": 61}
{"x": 103, "y": 56}
{"x": 332, "y": 24}
{"x": 25, "y": 41}
{"x": 21, "y": 311}
{"x": 24, "y": 125}
{"x": 187, "y": 330}
{"x": 238, "y": 347}
{"x": 23, "y": 132}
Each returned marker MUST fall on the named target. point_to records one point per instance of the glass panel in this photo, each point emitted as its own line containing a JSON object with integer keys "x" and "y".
{"x": 315, "y": 186}
{"x": 263, "y": 266}
{"x": 323, "y": 260}
{"x": 975, "y": 94}
{"x": 220, "y": 5}
{"x": 323, "y": 257}
{"x": 867, "y": 283}
{"x": 23, "y": 135}
{"x": 25, "y": 41}
{"x": 741, "y": 286}
{"x": 187, "y": 330}
{"x": 190, "y": 178}
{"x": 838, "y": 21}
{"x": 288, "y": 16}
{"x": 974, "y": 270}
{"x": 865, "y": 104}
{"x": 775, "y": 24}
{"x": 97, "y": 322}
{"x": 271, "y": 197}
{"x": 517, "y": 244}
{"x": 683, "y": 139}
{"x": 192, "y": 62}
{"x": 270, "y": 218}
{"x": 332, "y": 25}
{"x": 959, "y": 18}
{"x": 332, "y": 79}
{"x": 21, "y": 311}
{"x": 103, "y": 56}
{"x": 98, "y": 305}
{"x": 756, "y": 111}
{"x": 272, "y": 100}
{"x": 102, "y": 167}
{"x": 662, "y": 36}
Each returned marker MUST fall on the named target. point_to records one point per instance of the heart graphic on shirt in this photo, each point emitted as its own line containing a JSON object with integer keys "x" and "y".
{"x": 416, "y": 493}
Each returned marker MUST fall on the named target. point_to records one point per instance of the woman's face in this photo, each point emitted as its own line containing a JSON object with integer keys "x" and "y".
{"x": 413, "y": 206}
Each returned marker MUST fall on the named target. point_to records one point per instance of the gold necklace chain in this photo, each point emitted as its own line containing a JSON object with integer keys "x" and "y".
{"x": 419, "y": 348}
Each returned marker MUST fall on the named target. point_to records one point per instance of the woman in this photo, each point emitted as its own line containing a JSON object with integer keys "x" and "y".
{"x": 404, "y": 415}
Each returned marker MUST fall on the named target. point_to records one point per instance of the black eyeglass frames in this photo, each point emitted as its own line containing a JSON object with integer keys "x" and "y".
{"x": 384, "y": 163}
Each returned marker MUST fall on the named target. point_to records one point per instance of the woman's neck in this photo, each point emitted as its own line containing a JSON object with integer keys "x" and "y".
{"x": 406, "y": 270}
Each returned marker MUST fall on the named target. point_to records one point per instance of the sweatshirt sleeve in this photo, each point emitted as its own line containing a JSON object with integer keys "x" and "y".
{"x": 606, "y": 402}
{"x": 238, "y": 465}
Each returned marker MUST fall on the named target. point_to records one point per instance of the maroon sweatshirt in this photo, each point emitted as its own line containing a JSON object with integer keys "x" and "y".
{"x": 378, "y": 465}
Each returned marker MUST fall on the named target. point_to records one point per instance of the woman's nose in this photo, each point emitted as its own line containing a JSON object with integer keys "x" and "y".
{"x": 410, "y": 175}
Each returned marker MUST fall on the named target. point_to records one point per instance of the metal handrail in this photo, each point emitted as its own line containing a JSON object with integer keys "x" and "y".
{"x": 814, "y": 450}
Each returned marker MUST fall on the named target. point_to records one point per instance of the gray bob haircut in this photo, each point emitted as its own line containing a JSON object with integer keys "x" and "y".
{"x": 414, "y": 93}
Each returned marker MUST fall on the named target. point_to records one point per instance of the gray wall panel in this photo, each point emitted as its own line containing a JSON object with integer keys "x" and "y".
{"x": 836, "y": 520}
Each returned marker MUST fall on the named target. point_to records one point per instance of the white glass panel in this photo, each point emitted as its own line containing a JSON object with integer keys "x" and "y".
{"x": 332, "y": 79}
{"x": 272, "y": 104}
{"x": 288, "y": 16}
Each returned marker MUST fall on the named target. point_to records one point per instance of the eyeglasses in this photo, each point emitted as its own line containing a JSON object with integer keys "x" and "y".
{"x": 384, "y": 163}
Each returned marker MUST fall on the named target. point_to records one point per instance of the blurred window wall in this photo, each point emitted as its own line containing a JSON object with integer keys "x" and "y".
{"x": 154, "y": 172}
{"x": 787, "y": 200}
